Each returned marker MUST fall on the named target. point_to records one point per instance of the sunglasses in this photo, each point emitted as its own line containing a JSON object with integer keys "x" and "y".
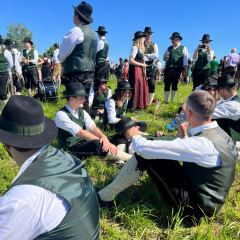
{"x": 209, "y": 89}
{"x": 205, "y": 41}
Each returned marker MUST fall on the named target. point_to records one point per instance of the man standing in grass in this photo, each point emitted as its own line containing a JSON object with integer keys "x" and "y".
{"x": 56, "y": 66}
{"x": 202, "y": 183}
{"x": 52, "y": 196}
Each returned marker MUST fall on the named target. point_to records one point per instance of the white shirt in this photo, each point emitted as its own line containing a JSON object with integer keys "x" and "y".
{"x": 100, "y": 44}
{"x": 154, "y": 55}
{"x": 91, "y": 95}
{"x": 194, "y": 149}
{"x": 227, "y": 109}
{"x": 27, "y": 211}
{"x": 159, "y": 65}
{"x": 134, "y": 51}
{"x": 111, "y": 110}
{"x": 35, "y": 54}
{"x": 9, "y": 58}
{"x": 70, "y": 40}
{"x": 16, "y": 61}
{"x": 185, "y": 55}
{"x": 63, "y": 121}
{"x": 55, "y": 56}
{"x": 209, "y": 56}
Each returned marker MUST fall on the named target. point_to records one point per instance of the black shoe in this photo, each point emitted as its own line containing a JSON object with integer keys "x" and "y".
{"x": 166, "y": 102}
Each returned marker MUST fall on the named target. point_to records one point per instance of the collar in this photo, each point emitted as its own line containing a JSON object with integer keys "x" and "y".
{"x": 229, "y": 99}
{"x": 177, "y": 46}
{"x": 103, "y": 37}
{"x": 74, "y": 113}
{"x": 198, "y": 129}
{"x": 27, "y": 163}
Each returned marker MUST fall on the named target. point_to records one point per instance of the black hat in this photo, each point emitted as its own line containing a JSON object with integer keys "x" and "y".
{"x": 214, "y": 75}
{"x": 8, "y": 43}
{"x": 176, "y": 34}
{"x": 85, "y": 10}
{"x": 23, "y": 125}
{"x": 27, "y": 39}
{"x": 124, "y": 124}
{"x": 13, "y": 45}
{"x": 99, "y": 80}
{"x": 209, "y": 82}
{"x": 225, "y": 80}
{"x": 74, "y": 89}
{"x": 148, "y": 30}
{"x": 101, "y": 29}
{"x": 139, "y": 34}
{"x": 1, "y": 40}
{"x": 56, "y": 45}
{"x": 120, "y": 76}
{"x": 206, "y": 37}
{"x": 123, "y": 85}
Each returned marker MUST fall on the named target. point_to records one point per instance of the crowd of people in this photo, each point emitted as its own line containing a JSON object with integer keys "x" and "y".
{"x": 52, "y": 196}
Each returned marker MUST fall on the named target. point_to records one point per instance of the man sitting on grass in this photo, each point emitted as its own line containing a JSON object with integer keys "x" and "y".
{"x": 52, "y": 196}
{"x": 202, "y": 183}
{"x": 72, "y": 121}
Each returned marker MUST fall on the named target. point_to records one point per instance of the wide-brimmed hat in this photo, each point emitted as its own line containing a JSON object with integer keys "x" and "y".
{"x": 1, "y": 40}
{"x": 123, "y": 85}
{"x": 8, "y": 43}
{"x": 85, "y": 10}
{"x": 214, "y": 75}
{"x": 99, "y": 80}
{"x": 23, "y": 125}
{"x": 148, "y": 30}
{"x": 124, "y": 124}
{"x": 206, "y": 37}
{"x": 101, "y": 29}
{"x": 209, "y": 82}
{"x": 74, "y": 90}
{"x": 56, "y": 45}
{"x": 176, "y": 34}
{"x": 224, "y": 81}
{"x": 28, "y": 39}
{"x": 139, "y": 34}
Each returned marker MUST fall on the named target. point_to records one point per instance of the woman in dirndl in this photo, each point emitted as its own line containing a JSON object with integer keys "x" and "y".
{"x": 137, "y": 73}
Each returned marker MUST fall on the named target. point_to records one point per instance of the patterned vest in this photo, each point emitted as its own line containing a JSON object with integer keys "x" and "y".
{"x": 175, "y": 57}
{"x": 3, "y": 60}
{"x": 65, "y": 138}
{"x": 211, "y": 185}
{"x": 202, "y": 62}
{"x": 64, "y": 174}
{"x": 149, "y": 48}
{"x": 231, "y": 127}
{"x": 120, "y": 112}
{"x": 29, "y": 56}
{"x": 99, "y": 101}
{"x": 102, "y": 54}
{"x": 83, "y": 56}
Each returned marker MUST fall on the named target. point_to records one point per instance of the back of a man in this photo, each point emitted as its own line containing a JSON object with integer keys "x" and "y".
{"x": 214, "y": 65}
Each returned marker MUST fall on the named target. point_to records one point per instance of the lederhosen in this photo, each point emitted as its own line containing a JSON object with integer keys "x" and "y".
{"x": 3, "y": 74}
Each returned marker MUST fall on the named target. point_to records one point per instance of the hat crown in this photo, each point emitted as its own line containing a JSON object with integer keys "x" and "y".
{"x": 139, "y": 34}
{"x": 124, "y": 124}
{"x": 148, "y": 30}
{"x": 85, "y": 10}
{"x": 101, "y": 29}
{"x": 75, "y": 89}
{"x": 8, "y": 42}
{"x": 176, "y": 34}
{"x": 123, "y": 85}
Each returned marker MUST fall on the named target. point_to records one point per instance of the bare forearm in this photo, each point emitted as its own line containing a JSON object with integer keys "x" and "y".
{"x": 96, "y": 132}
{"x": 88, "y": 136}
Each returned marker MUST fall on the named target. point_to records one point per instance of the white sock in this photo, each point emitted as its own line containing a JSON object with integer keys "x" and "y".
{"x": 166, "y": 94}
{"x": 173, "y": 94}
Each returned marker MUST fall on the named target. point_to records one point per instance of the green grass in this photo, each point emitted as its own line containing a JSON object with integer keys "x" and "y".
{"x": 139, "y": 211}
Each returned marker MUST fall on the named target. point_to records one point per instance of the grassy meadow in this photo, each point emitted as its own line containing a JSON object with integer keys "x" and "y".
{"x": 139, "y": 211}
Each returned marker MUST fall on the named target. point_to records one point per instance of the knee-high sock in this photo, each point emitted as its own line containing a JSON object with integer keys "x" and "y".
{"x": 127, "y": 176}
{"x": 29, "y": 92}
{"x": 173, "y": 94}
{"x": 151, "y": 95}
{"x": 166, "y": 94}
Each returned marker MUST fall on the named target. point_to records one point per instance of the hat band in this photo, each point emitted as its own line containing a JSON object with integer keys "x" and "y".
{"x": 21, "y": 130}
{"x": 78, "y": 92}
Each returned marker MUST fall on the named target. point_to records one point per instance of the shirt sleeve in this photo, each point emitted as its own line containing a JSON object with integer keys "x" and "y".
{"x": 109, "y": 93}
{"x": 70, "y": 40}
{"x": 64, "y": 122}
{"x": 9, "y": 58}
{"x": 154, "y": 55}
{"x": 100, "y": 45}
{"x": 17, "y": 63}
{"x": 210, "y": 56}
{"x": 134, "y": 51}
{"x": 35, "y": 54}
{"x": 88, "y": 121}
{"x": 111, "y": 111}
{"x": 185, "y": 57}
{"x": 230, "y": 109}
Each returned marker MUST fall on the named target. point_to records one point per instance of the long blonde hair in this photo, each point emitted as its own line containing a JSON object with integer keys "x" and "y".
{"x": 138, "y": 43}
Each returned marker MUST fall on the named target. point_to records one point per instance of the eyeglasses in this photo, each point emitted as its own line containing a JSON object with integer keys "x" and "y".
{"x": 205, "y": 41}
{"x": 209, "y": 89}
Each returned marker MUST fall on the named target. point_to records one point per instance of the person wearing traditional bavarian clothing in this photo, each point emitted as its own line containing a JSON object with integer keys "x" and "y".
{"x": 137, "y": 73}
{"x": 125, "y": 69}
{"x": 151, "y": 53}
{"x": 176, "y": 57}
{"x": 78, "y": 50}
{"x": 56, "y": 65}
{"x": 52, "y": 196}
{"x": 116, "y": 106}
{"x": 99, "y": 94}
{"x": 6, "y": 63}
{"x": 46, "y": 70}
{"x": 16, "y": 69}
{"x": 200, "y": 186}
{"x": 29, "y": 59}
{"x": 78, "y": 133}
{"x": 102, "y": 54}
{"x": 202, "y": 56}
{"x": 227, "y": 112}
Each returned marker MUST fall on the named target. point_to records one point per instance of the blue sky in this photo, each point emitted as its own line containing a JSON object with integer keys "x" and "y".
{"x": 50, "y": 20}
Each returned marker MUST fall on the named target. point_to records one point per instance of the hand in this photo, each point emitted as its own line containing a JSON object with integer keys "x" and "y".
{"x": 144, "y": 65}
{"x": 159, "y": 134}
{"x": 20, "y": 76}
{"x": 198, "y": 47}
{"x": 182, "y": 128}
{"x": 184, "y": 107}
{"x": 106, "y": 143}
{"x": 113, "y": 149}
{"x": 208, "y": 48}
{"x": 133, "y": 132}
{"x": 134, "y": 119}
{"x": 101, "y": 111}
{"x": 26, "y": 62}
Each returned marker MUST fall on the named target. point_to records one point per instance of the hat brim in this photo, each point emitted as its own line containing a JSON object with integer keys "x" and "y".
{"x": 90, "y": 20}
{"x": 126, "y": 128}
{"x": 148, "y": 32}
{"x": 224, "y": 85}
{"x": 101, "y": 31}
{"x": 29, "y": 42}
{"x": 75, "y": 95}
{"x": 178, "y": 37}
{"x": 40, "y": 140}
{"x": 205, "y": 40}
{"x": 144, "y": 35}
{"x": 126, "y": 88}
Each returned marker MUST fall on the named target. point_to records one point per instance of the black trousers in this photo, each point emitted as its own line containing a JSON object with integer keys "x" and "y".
{"x": 101, "y": 70}
{"x": 31, "y": 77}
{"x": 3, "y": 85}
{"x": 169, "y": 178}
{"x": 151, "y": 77}
{"x": 171, "y": 76}
{"x": 142, "y": 126}
{"x": 199, "y": 76}
{"x": 88, "y": 148}
{"x": 17, "y": 83}
{"x": 86, "y": 79}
